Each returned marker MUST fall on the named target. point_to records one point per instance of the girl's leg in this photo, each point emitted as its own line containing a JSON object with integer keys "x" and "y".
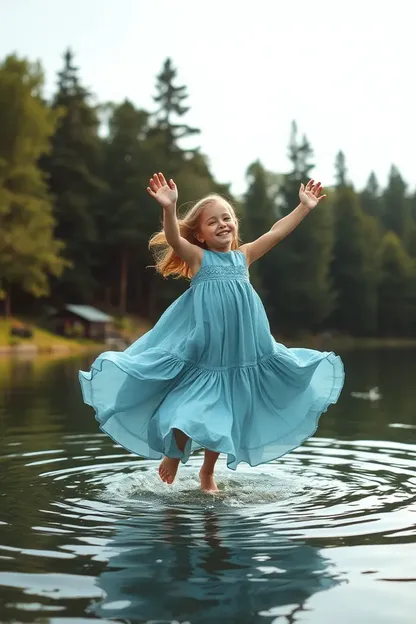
{"x": 169, "y": 465}
{"x": 206, "y": 474}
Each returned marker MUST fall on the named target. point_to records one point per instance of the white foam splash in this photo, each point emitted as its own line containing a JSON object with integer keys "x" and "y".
{"x": 236, "y": 489}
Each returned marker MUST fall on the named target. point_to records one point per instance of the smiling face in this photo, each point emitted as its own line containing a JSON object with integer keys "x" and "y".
{"x": 217, "y": 226}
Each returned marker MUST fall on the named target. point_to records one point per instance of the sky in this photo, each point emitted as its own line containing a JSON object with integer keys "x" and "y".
{"x": 344, "y": 71}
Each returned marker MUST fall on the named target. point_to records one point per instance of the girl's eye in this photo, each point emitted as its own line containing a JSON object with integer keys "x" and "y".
{"x": 227, "y": 218}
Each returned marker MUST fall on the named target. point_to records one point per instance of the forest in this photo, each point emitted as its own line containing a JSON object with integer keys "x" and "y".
{"x": 75, "y": 217}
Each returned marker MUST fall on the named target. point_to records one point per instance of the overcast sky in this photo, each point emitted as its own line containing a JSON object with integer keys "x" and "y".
{"x": 344, "y": 71}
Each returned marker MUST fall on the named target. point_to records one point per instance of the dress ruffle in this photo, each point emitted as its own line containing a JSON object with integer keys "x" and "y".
{"x": 253, "y": 413}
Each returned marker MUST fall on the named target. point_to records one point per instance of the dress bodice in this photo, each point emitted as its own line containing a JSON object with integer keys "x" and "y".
{"x": 222, "y": 265}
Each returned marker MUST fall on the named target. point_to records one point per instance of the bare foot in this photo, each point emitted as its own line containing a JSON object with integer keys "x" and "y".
{"x": 207, "y": 481}
{"x": 168, "y": 469}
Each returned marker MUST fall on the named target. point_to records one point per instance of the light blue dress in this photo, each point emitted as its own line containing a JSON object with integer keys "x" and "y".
{"x": 211, "y": 368}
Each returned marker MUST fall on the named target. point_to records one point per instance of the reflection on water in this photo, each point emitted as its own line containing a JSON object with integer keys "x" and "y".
{"x": 88, "y": 530}
{"x": 208, "y": 566}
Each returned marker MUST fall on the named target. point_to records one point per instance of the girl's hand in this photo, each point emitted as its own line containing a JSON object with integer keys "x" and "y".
{"x": 166, "y": 194}
{"x": 310, "y": 195}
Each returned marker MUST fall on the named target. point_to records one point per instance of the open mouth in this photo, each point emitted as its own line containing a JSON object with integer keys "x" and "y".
{"x": 224, "y": 233}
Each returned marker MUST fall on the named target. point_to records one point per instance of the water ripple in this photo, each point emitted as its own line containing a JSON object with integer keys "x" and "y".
{"x": 261, "y": 544}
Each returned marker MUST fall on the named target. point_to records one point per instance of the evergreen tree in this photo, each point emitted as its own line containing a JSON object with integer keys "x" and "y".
{"x": 167, "y": 132}
{"x": 340, "y": 170}
{"x": 260, "y": 213}
{"x": 302, "y": 289}
{"x": 74, "y": 169}
{"x": 129, "y": 217}
{"x": 355, "y": 265}
{"x": 171, "y": 100}
{"x": 397, "y": 307}
{"x": 412, "y": 225}
{"x": 29, "y": 252}
{"x": 395, "y": 213}
{"x": 370, "y": 201}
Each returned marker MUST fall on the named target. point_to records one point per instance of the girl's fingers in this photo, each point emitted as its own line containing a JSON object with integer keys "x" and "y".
{"x": 149, "y": 190}
{"x": 162, "y": 179}
{"x": 154, "y": 185}
{"x": 309, "y": 185}
{"x": 172, "y": 184}
{"x": 156, "y": 180}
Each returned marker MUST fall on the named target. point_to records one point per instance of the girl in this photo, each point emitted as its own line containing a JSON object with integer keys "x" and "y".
{"x": 209, "y": 374}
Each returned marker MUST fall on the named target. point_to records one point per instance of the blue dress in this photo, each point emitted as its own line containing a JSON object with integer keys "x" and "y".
{"x": 211, "y": 368}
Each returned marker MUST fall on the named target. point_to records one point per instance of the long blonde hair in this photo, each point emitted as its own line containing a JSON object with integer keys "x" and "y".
{"x": 167, "y": 261}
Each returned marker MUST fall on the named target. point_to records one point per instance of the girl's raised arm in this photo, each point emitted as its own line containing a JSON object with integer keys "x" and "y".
{"x": 167, "y": 196}
{"x": 309, "y": 197}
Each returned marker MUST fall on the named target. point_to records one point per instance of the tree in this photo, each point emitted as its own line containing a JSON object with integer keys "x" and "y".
{"x": 397, "y": 305}
{"x": 355, "y": 265}
{"x": 412, "y": 225}
{"x": 370, "y": 201}
{"x": 128, "y": 216}
{"x": 74, "y": 169}
{"x": 168, "y": 135}
{"x": 340, "y": 170}
{"x": 29, "y": 252}
{"x": 260, "y": 212}
{"x": 396, "y": 214}
{"x": 260, "y": 209}
{"x": 302, "y": 289}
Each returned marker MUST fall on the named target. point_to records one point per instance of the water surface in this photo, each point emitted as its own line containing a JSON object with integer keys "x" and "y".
{"x": 88, "y": 532}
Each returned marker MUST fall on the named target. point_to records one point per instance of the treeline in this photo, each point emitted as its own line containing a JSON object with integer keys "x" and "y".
{"x": 75, "y": 218}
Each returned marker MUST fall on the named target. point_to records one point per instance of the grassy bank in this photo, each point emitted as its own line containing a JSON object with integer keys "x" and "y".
{"x": 42, "y": 341}
{"x": 45, "y": 342}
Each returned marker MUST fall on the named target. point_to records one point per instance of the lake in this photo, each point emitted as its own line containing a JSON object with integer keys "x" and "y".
{"x": 326, "y": 534}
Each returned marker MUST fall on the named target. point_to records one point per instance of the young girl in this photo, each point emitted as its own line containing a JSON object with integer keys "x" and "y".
{"x": 209, "y": 374}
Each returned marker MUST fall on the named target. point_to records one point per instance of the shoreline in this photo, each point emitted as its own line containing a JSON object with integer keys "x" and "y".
{"x": 52, "y": 350}
{"x": 347, "y": 343}
{"x": 320, "y": 343}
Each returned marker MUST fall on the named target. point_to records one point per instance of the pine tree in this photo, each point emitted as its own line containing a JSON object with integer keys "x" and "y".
{"x": 260, "y": 213}
{"x": 29, "y": 252}
{"x": 302, "y": 288}
{"x": 356, "y": 264}
{"x": 129, "y": 215}
{"x": 370, "y": 200}
{"x": 74, "y": 169}
{"x": 396, "y": 213}
{"x": 397, "y": 305}
{"x": 340, "y": 170}
{"x": 412, "y": 225}
{"x": 171, "y": 101}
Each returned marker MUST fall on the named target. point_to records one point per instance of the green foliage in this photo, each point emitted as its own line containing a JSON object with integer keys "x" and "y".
{"x": 74, "y": 169}
{"x": 370, "y": 200}
{"x": 29, "y": 252}
{"x": 340, "y": 170}
{"x": 355, "y": 265}
{"x": 396, "y": 215}
{"x": 349, "y": 266}
{"x": 260, "y": 212}
{"x": 397, "y": 286}
{"x": 300, "y": 280}
{"x": 167, "y": 133}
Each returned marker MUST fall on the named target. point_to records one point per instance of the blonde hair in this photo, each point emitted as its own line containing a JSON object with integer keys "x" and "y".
{"x": 167, "y": 261}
